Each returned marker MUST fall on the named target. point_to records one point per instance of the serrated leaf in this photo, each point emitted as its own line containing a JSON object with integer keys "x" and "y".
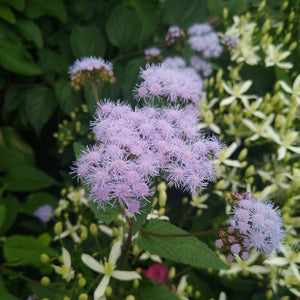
{"x": 107, "y": 215}
{"x": 185, "y": 13}
{"x": 131, "y": 73}
{"x": 87, "y": 41}
{"x": 67, "y": 98}
{"x": 25, "y": 250}
{"x": 36, "y": 8}
{"x": 7, "y": 14}
{"x": 30, "y": 31}
{"x": 13, "y": 97}
{"x": 11, "y": 139}
{"x": 14, "y": 57}
{"x": 158, "y": 292}
{"x": 123, "y": 27}
{"x": 36, "y": 200}
{"x": 4, "y": 293}
{"x": 10, "y": 205}
{"x": 141, "y": 218}
{"x": 16, "y": 4}
{"x": 40, "y": 105}
{"x": 186, "y": 250}
{"x": 146, "y": 12}
{"x": 26, "y": 178}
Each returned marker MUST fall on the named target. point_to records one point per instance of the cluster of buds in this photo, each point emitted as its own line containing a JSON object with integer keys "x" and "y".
{"x": 174, "y": 35}
{"x": 153, "y": 53}
{"x": 90, "y": 71}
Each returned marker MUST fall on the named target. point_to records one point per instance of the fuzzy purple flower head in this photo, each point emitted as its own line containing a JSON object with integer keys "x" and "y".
{"x": 133, "y": 146}
{"x": 174, "y": 34}
{"x": 255, "y": 225}
{"x": 173, "y": 84}
{"x": 90, "y": 70}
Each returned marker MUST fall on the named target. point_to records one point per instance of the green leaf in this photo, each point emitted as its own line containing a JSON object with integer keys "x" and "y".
{"x": 25, "y": 178}
{"x": 158, "y": 292}
{"x": 13, "y": 97}
{"x": 215, "y": 7}
{"x": 185, "y": 13}
{"x": 10, "y": 158}
{"x": 123, "y": 27}
{"x": 87, "y": 41}
{"x": 30, "y": 31}
{"x": 141, "y": 218}
{"x": 16, "y": 4}
{"x": 78, "y": 148}
{"x": 146, "y": 12}
{"x": 131, "y": 73}
{"x": 67, "y": 98}
{"x": 11, "y": 139}
{"x": 14, "y": 57}
{"x": 25, "y": 250}
{"x": 107, "y": 215}
{"x": 36, "y": 200}
{"x": 4, "y": 293}
{"x": 37, "y": 8}
{"x": 10, "y": 206}
{"x": 7, "y": 14}
{"x": 186, "y": 250}
{"x": 40, "y": 105}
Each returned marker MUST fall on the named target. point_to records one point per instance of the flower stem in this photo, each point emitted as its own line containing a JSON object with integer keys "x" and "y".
{"x": 95, "y": 94}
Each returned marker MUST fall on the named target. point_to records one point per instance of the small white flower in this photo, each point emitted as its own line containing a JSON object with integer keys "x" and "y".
{"x": 71, "y": 230}
{"x": 65, "y": 270}
{"x": 275, "y": 57}
{"x": 77, "y": 196}
{"x": 236, "y": 91}
{"x": 294, "y": 91}
{"x": 108, "y": 269}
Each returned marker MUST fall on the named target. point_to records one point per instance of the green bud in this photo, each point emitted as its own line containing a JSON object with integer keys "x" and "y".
{"x": 162, "y": 198}
{"x": 243, "y": 154}
{"x": 161, "y": 211}
{"x": 287, "y": 38}
{"x": 58, "y": 227}
{"x": 266, "y": 26}
{"x": 94, "y": 229}
{"x": 225, "y": 13}
{"x": 172, "y": 273}
{"x": 66, "y": 298}
{"x": 108, "y": 291}
{"x": 130, "y": 297}
{"x": 293, "y": 46}
{"x": 81, "y": 282}
{"x": 244, "y": 164}
{"x": 284, "y": 5}
{"x": 45, "y": 281}
{"x": 44, "y": 258}
{"x": 83, "y": 296}
{"x": 136, "y": 283}
{"x": 291, "y": 16}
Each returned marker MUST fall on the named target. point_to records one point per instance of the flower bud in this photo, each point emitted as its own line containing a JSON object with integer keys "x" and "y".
{"x": 291, "y": 16}
{"x": 162, "y": 198}
{"x": 94, "y": 229}
{"x": 161, "y": 211}
{"x": 66, "y": 298}
{"x": 83, "y": 296}
{"x": 130, "y": 297}
{"x": 172, "y": 273}
{"x": 44, "y": 258}
{"x": 284, "y": 5}
{"x": 162, "y": 186}
{"x": 135, "y": 283}
{"x": 287, "y": 38}
{"x": 45, "y": 281}
{"x": 243, "y": 154}
{"x": 197, "y": 294}
{"x": 58, "y": 228}
{"x": 81, "y": 282}
{"x": 279, "y": 29}
{"x": 225, "y": 13}
{"x": 293, "y": 46}
{"x": 261, "y": 6}
{"x": 108, "y": 291}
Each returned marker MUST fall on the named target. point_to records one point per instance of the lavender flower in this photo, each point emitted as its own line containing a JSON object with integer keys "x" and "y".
{"x": 134, "y": 146}
{"x": 255, "y": 224}
{"x": 203, "y": 39}
{"x": 173, "y": 84}
{"x": 90, "y": 70}
{"x": 173, "y": 35}
{"x": 152, "y": 53}
{"x": 44, "y": 213}
{"x": 200, "y": 65}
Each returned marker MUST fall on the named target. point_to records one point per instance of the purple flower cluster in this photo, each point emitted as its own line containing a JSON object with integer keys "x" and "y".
{"x": 203, "y": 39}
{"x": 230, "y": 41}
{"x": 152, "y": 53}
{"x": 134, "y": 146}
{"x": 173, "y": 84}
{"x": 173, "y": 35}
{"x": 200, "y": 65}
{"x": 90, "y": 70}
{"x": 255, "y": 225}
